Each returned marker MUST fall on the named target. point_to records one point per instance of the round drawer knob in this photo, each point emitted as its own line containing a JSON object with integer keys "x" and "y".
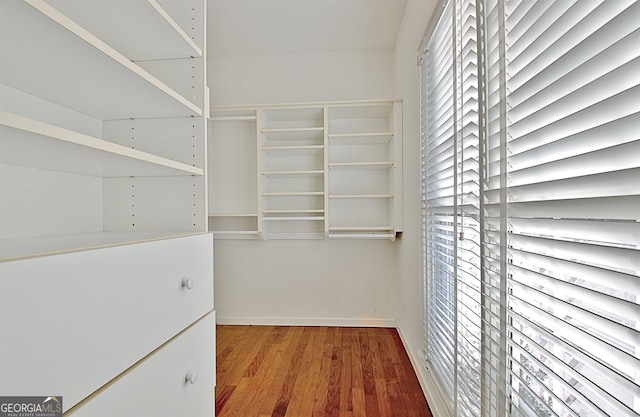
{"x": 187, "y": 283}
{"x": 191, "y": 377}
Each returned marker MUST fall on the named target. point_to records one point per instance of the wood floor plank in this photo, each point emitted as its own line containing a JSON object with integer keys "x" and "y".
{"x": 322, "y": 386}
{"x": 346, "y": 372}
{"x": 271, "y": 387}
{"x": 315, "y": 372}
{"x": 293, "y": 364}
{"x": 332, "y": 403}
{"x": 263, "y": 378}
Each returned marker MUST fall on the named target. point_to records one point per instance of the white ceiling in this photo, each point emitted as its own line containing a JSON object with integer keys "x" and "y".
{"x": 275, "y": 27}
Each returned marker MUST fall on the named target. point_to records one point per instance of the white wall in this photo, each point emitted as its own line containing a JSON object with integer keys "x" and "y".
{"x": 300, "y": 78}
{"x": 407, "y": 81}
{"x": 295, "y": 282}
{"x": 410, "y": 289}
{"x": 304, "y": 281}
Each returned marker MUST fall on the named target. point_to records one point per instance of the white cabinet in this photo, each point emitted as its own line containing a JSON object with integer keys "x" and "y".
{"x": 324, "y": 170}
{"x": 79, "y": 319}
{"x": 104, "y": 251}
{"x": 175, "y": 380}
{"x": 111, "y": 117}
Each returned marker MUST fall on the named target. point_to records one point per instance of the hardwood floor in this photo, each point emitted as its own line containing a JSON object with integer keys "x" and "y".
{"x": 266, "y": 371}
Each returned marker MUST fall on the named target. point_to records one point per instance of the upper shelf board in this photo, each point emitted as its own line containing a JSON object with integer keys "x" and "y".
{"x": 140, "y": 29}
{"x": 64, "y": 150}
{"x": 292, "y": 150}
{"x": 360, "y": 138}
{"x": 308, "y": 133}
{"x": 46, "y": 54}
{"x": 307, "y": 173}
{"x": 361, "y": 165}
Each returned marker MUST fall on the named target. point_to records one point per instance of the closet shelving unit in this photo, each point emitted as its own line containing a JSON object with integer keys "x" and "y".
{"x": 103, "y": 200}
{"x": 364, "y": 171}
{"x": 233, "y": 203}
{"x": 291, "y": 167}
{"x": 324, "y": 170}
{"x": 69, "y": 103}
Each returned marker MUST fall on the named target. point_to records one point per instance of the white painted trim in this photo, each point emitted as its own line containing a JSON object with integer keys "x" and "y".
{"x": 436, "y": 401}
{"x": 312, "y": 104}
{"x": 307, "y": 321}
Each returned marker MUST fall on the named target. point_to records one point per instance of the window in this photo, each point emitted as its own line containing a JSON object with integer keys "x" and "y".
{"x": 531, "y": 197}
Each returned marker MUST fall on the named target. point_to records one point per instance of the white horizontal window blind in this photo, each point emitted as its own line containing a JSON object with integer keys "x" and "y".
{"x": 451, "y": 200}
{"x": 439, "y": 184}
{"x": 531, "y": 196}
{"x": 573, "y": 94}
{"x": 468, "y": 285}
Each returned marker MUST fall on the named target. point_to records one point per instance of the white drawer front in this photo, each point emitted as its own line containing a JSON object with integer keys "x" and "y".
{"x": 158, "y": 386}
{"x": 69, "y": 323}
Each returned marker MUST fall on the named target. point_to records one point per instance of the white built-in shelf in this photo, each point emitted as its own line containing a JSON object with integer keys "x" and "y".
{"x": 325, "y": 170}
{"x": 292, "y": 150}
{"x": 271, "y": 212}
{"x": 287, "y": 215}
{"x": 306, "y": 133}
{"x": 293, "y": 218}
{"x": 300, "y": 173}
{"x": 31, "y": 247}
{"x": 234, "y": 225}
{"x": 362, "y": 235}
{"x": 233, "y": 214}
{"x": 291, "y": 193}
{"x": 360, "y": 138}
{"x": 65, "y": 63}
{"x": 145, "y": 31}
{"x": 361, "y": 165}
{"x": 361, "y": 228}
{"x": 64, "y": 150}
{"x": 236, "y": 232}
{"x": 293, "y": 167}
{"x": 233, "y": 118}
{"x": 362, "y": 232}
{"x": 380, "y": 196}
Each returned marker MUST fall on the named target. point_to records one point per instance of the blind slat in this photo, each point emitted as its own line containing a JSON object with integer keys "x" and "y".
{"x": 608, "y": 207}
{"x": 613, "y": 108}
{"x": 609, "y": 184}
{"x": 603, "y": 328}
{"x": 599, "y": 358}
{"x": 617, "y": 234}
{"x": 615, "y": 259}
{"x": 562, "y": 82}
{"x": 624, "y": 131}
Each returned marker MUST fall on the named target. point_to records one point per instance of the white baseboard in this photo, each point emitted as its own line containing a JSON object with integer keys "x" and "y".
{"x": 435, "y": 400}
{"x": 306, "y": 321}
